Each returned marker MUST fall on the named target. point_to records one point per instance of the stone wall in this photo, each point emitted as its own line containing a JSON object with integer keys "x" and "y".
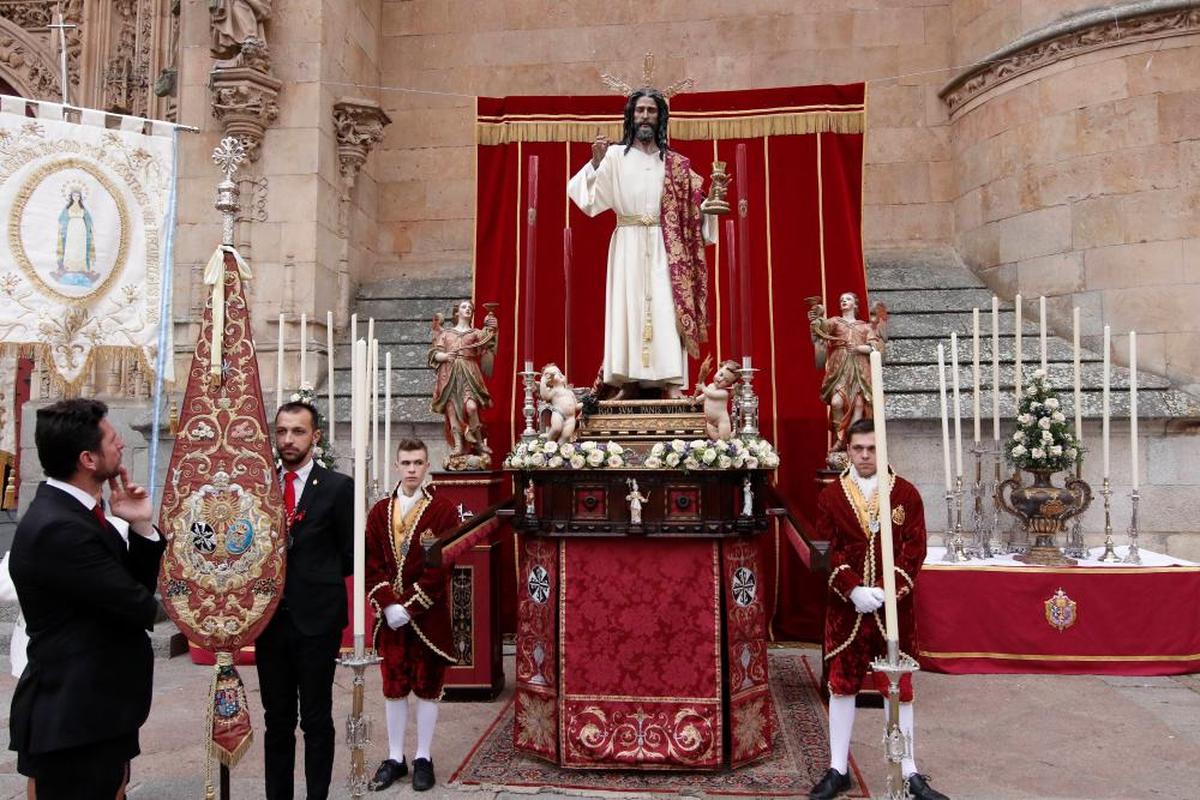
{"x": 1080, "y": 180}
{"x": 454, "y": 50}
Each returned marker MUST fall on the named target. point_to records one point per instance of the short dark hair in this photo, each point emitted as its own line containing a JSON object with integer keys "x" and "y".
{"x": 864, "y": 425}
{"x": 64, "y": 430}
{"x": 300, "y": 405}
{"x": 410, "y": 444}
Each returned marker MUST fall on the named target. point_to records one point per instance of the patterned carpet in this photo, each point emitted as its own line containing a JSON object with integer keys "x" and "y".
{"x": 801, "y": 754}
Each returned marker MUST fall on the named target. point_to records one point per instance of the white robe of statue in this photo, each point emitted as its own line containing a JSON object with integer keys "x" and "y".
{"x": 631, "y": 184}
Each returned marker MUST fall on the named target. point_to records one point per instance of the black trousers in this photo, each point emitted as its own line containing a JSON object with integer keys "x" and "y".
{"x": 88, "y": 772}
{"x": 296, "y": 671}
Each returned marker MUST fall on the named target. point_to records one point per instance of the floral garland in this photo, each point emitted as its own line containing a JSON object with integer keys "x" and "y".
{"x": 713, "y": 454}
{"x": 541, "y": 453}
{"x": 1043, "y": 440}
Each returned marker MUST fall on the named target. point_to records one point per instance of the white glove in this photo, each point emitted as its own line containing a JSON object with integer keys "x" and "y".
{"x": 878, "y": 593}
{"x": 864, "y": 599}
{"x": 396, "y": 616}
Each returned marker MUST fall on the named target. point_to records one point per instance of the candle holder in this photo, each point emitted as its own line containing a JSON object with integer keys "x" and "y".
{"x": 358, "y": 724}
{"x": 529, "y": 408}
{"x": 981, "y": 543}
{"x": 993, "y": 492}
{"x": 1075, "y": 547}
{"x": 955, "y": 551}
{"x": 1110, "y": 554}
{"x": 897, "y": 745}
{"x": 747, "y": 402}
{"x": 1133, "y": 556}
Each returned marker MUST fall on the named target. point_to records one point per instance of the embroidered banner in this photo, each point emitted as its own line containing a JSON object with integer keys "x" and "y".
{"x": 85, "y": 215}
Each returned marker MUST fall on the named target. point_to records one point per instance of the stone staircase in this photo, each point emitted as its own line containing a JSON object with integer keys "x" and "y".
{"x": 930, "y": 296}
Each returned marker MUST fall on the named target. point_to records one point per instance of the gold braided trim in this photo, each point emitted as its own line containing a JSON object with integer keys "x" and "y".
{"x": 637, "y": 220}
{"x": 425, "y": 599}
{"x": 849, "y": 639}
{"x": 832, "y": 575}
{"x": 904, "y": 589}
{"x": 100, "y": 355}
{"x": 505, "y": 130}
{"x": 430, "y": 644}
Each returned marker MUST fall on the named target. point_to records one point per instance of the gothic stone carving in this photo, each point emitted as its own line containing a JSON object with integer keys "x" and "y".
{"x": 1087, "y": 32}
{"x": 244, "y": 101}
{"x": 359, "y": 126}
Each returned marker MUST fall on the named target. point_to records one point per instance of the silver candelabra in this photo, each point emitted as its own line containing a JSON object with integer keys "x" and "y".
{"x": 1133, "y": 556}
{"x": 358, "y": 724}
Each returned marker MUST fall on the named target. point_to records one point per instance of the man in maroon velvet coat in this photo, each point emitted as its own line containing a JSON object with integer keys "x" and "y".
{"x": 848, "y": 515}
{"x": 412, "y": 611}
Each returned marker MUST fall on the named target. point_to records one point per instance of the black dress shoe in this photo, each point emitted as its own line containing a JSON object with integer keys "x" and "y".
{"x": 388, "y": 773}
{"x": 423, "y": 777}
{"x": 919, "y": 788}
{"x": 832, "y": 784}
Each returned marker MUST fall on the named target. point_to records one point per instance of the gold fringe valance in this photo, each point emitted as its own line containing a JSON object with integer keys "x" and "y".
{"x": 492, "y": 131}
{"x": 101, "y": 355}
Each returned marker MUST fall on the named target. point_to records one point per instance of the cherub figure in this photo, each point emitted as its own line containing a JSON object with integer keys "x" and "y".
{"x": 562, "y": 403}
{"x": 635, "y": 498}
{"x": 716, "y": 396}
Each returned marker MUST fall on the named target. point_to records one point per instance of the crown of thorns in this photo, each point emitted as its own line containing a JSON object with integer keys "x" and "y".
{"x": 617, "y": 85}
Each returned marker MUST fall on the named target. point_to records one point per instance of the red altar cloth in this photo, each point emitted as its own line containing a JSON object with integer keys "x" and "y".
{"x": 993, "y": 619}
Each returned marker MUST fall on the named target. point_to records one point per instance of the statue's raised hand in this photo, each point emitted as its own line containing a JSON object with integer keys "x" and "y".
{"x": 599, "y": 148}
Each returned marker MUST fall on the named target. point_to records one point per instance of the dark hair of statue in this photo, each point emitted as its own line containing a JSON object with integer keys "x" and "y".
{"x": 298, "y": 405}
{"x": 660, "y": 133}
{"x": 64, "y": 430}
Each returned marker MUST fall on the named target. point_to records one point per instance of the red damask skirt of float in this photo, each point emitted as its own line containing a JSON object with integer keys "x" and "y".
{"x": 642, "y": 645}
{"x": 222, "y": 510}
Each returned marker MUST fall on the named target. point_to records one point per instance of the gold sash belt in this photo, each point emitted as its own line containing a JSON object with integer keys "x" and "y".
{"x": 637, "y": 220}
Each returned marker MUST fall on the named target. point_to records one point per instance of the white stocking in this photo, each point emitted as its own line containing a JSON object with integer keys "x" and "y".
{"x": 427, "y": 714}
{"x": 909, "y": 765}
{"x": 841, "y": 726}
{"x": 397, "y": 723}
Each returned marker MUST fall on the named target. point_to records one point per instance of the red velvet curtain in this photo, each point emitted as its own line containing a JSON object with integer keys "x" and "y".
{"x": 804, "y": 187}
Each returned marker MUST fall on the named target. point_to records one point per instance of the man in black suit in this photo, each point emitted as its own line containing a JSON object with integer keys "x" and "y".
{"x": 296, "y": 653}
{"x": 88, "y": 600}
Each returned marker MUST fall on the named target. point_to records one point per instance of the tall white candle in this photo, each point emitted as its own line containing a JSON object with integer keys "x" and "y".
{"x": 358, "y": 397}
{"x": 1078, "y": 375}
{"x": 353, "y": 340}
{"x": 1017, "y": 377}
{"x": 891, "y": 620}
{"x": 957, "y": 415}
{"x": 1104, "y": 396}
{"x": 330, "y": 420}
{"x": 941, "y": 351}
{"x": 303, "y": 349}
{"x": 975, "y": 370}
{"x": 1042, "y": 328}
{"x": 1133, "y": 419}
{"x": 387, "y": 421}
{"x": 279, "y": 367}
{"x": 373, "y": 377}
{"x": 995, "y": 368}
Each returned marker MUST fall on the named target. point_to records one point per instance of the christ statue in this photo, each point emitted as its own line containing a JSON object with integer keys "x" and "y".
{"x": 657, "y": 286}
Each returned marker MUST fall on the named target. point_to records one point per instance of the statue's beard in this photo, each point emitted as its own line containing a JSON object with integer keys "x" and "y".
{"x": 645, "y": 133}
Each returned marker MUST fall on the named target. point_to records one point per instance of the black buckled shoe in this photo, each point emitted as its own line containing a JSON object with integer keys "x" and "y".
{"x": 388, "y": 773}
{"x": 919, "y": 788}
{"x": 832, "y": 784}
{"x": 423, "y": 777}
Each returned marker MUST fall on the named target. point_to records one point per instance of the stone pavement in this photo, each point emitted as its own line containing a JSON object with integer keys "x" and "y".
{"x": 998, "y": 737}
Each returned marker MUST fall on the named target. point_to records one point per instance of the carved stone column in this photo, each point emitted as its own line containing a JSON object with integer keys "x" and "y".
{"x": 359, "y": 125}
{"x": 244, "y": 102}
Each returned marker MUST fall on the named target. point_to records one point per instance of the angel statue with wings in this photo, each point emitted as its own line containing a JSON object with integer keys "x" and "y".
{"x": 843, "y": 346}
{"x": 462, "y": 356}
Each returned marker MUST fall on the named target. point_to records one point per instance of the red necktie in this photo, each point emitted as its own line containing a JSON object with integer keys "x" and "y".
{"x": 98, "y": 513}
{"x": 289, "y": 494}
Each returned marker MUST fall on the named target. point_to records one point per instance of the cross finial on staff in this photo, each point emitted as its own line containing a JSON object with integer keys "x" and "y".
{"x": 62, "y": 27}
{"x": 228, "y": 155}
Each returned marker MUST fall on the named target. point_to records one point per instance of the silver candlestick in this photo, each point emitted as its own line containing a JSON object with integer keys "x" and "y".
{"x": 747, "y": 402}
{"x": 1133, "y": 556}
{"x": 981, "y": 542}
{"x": 956, "y": 542}
{"x": 1110, "y": 554}
{"x": 1075, "y": 547}
{"x": 529, "y": 408}
{"x": 358, "y": 724}
{"x": 948, "y": 536}
{"x": 897, "y": 744}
